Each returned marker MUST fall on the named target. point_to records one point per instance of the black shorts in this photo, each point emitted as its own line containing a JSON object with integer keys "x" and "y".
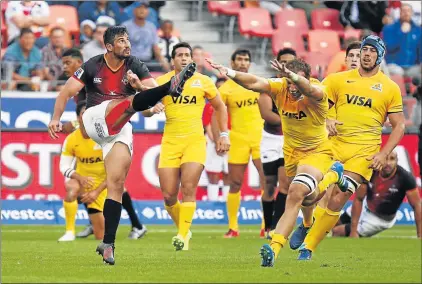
{"x": 271, "y": 168}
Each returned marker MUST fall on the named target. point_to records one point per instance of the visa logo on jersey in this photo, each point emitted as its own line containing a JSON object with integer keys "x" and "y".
{"x": 359, "y": 101}
{"x": 297, "y": 116}
{"x": 248, "y": 102}
{"x": 90, "y": 160}
{"x": 184, "y": 100}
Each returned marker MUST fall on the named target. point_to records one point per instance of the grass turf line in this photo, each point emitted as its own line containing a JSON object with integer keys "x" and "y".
{"x": 32, "y": 254}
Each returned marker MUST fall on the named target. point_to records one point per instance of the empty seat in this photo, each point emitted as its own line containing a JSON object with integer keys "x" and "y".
{"x": 295, "y": 18}
{"x": 324, "y": 41}
{"x": 229, "y": 8}
{"x": 319, "y": 62}
{"x": 255, "y": 22}
{"x": 326, "y": 19}
{"x": 287, "y": 38}
{"x": 66, "y": 17}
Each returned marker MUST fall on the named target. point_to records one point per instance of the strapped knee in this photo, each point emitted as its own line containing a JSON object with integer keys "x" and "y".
{"x": 352, "y": 184}
{"x": 307, "y": 180}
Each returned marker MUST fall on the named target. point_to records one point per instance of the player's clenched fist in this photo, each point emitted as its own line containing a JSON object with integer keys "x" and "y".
{"x": 135, "y": 82}
{"x": 54, "y": 127}
{"x": 222, "y": 145}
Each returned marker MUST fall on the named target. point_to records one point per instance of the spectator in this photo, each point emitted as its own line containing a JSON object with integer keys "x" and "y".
{"x": 286, "y": 54}
{"x": 144, "y": 38}
{"x": 338, "y": 62}
{"x": 199, "y": 58}
{"x": 403, "y": 41}
{"x": 307, "y": 6}
{"x": 25, "y": 59}
{"x": 152, "y": 13}
{"x": 66, "y": 3}
{"x": 91, "y": 10}
{"x": 167, "y": 40}
{"x": 273, "y": 7}
{"x": 27, "y": 14}
{"x": 52, "y": 54}
{"x": 87, "y": 31}
{"x": 96, "y": 46}
{"x": 394, "y": 13}
{"x": 363, "y": 14}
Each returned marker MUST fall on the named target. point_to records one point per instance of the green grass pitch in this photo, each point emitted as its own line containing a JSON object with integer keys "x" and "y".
{"x": 32, "y": 254}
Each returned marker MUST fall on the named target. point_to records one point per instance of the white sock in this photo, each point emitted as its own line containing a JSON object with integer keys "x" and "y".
{"x": 212, "y": 192}
{"x": 226, "y": 190}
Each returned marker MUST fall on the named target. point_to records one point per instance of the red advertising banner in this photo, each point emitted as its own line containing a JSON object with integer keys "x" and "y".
{"x": 30, "y": 167}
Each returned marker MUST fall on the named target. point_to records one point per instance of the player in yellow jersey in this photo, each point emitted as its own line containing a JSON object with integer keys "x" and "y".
{"x": 303, "y": 108}
{"x": 351, "y": 61}
{"x": 363, "y": 99}
{"x": 88, "y": 180}
{"x": 245, "y": 135}
{"x": 183, "y": 147}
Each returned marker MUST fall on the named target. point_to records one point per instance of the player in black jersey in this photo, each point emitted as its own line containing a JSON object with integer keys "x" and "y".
{"x": 376, "y": 203}
{"x": 272, "y": 157}
{"x": 112, "y": 82}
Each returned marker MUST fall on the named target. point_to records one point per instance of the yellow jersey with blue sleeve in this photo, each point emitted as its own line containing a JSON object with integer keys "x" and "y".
{"x": 89, "y": 162}
{"x": 362, "y": 105}
{"x": 246, "y": 122}
{"x": 304, "y": 129}
{"x": 183, "y": 139}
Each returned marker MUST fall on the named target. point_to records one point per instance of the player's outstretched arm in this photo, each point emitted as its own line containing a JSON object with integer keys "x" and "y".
{"x": 159, "y": 107}
{"x": 415, "y": 201}
{"x": 70, "y": 89}
{"x": 220, "y": 112}
{"x": 303, "y": 84}
{"x": 397, "y": 123}
{"x": 246, "y": 80}
{"x": 265, "y": 104}
{"x": 357, "y": 209}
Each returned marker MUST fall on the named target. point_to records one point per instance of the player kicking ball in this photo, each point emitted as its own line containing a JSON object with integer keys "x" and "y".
{"x": 117, "y": 86}
{"x": 303, "y": 108}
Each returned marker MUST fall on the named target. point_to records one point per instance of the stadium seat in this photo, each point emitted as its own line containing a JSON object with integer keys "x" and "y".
{"x": 399, "y": 81}
{"x": 226, "y": 8}
{"x": 324, "y": 41}
{"x": 327, "y": 19}
{"x": 295, "y": 18}
{"x": 251, "y": 4}
{"x": 66, "y": 17}
{"x": 319, "y": 62}
{"x": 352, "y": 33}
{"x": 289, "y": 37}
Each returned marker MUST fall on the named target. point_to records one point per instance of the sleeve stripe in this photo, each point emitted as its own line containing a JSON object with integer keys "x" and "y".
{"x": 330, "y": 101}
{"x": 394, "y": 111}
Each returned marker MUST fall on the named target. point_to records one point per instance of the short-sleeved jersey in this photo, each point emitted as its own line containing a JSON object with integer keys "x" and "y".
{"x": 88, "y": 154}
{"x": 303, "y": 120}
{"x": 273, "y": 128}
{"x": 362, "y": 104}
{"x": 184, "y": 113}
{"x": 385, "y": 195}
{"x": 103, "y": 84}
{"x": 242, "y": 105}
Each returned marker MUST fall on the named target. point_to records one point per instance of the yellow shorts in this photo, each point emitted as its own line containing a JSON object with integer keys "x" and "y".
{"x": 175, "y": 152}
{"x": 353, "y": 157}
{"x": 99, "y": 202}
{"x": 320, "y": 158}
{"x": 243, "y": 146}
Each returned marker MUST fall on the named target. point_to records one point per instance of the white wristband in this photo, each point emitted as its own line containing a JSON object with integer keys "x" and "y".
{"x": 224, "y": 134}
{"x": 231, "y": 73}
{"x": 294, "y": 77}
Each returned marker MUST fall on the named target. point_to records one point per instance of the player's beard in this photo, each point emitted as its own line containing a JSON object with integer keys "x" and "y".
{"x": 121, "y": 56}
{"x": 368, "y": 69}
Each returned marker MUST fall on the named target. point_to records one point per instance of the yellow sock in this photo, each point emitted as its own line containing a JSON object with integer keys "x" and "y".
{"x": 70, "y": 209}
{"x": 187, "y": 209}
{"x": 307, "y": 216}
{"x": 318, "y": 212}
{"x": 329, "y": 179}
{"x": 174, "y": 212}
{"x": 233, "y": 205}
{"x": 321, "y": 228}
{"x": 263, "y": 220}
{"x": 277, "y": 242}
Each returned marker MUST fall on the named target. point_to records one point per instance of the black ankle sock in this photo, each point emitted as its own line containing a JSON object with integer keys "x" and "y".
{"x": 128, "y": 206}
{"x": 149, "y": 98}
{"x": 112, "y": 212}
{"x": 268, "y": 208}
{"x": 279, "y": 207}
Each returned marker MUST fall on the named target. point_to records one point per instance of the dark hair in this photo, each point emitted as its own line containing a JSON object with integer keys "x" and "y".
{"x": 80, "y": 106}
{"x": 241, "y": 52}
{"x": 111, "y": 33}
{"x": 74, "y": 53}
{"x": 286, "y": 50}
{"x": 57, "y": 29}
{"x": 197, "y": 47}
{"x": 167, "y": 22}
{"x": 25, "y": 31}
{"x": 353, "y": 45}
{"x": 180, "y": 44}
{"x": 297, "y": 65}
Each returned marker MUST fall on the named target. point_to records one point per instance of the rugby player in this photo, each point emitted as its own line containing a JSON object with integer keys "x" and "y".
{"x": 303, "y": 108}
{"x": 112, "y": 82}
{"x": 245, "y": 135}
{"x": 380, "y": 200}
{"x": 363, "y": 98}
{"x": 183, "y": 146}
